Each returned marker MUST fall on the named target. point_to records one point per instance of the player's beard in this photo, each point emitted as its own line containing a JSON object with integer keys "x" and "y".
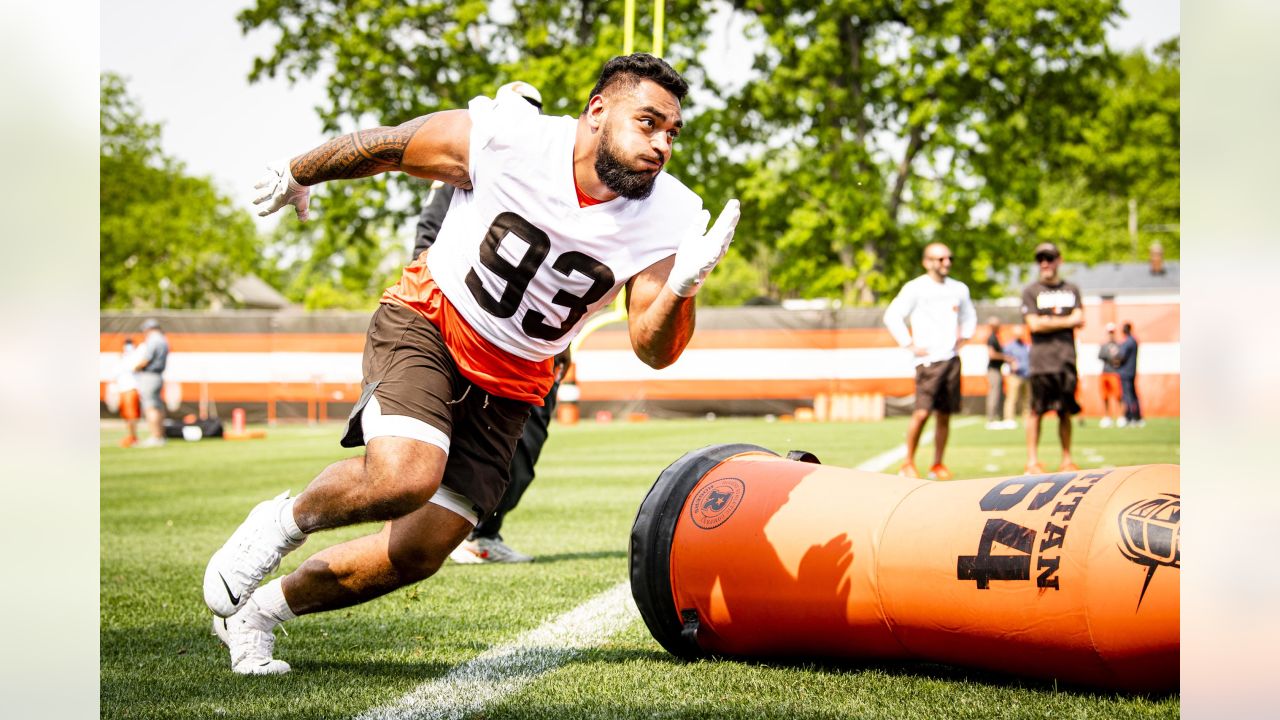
{"x": 630, "y": 184}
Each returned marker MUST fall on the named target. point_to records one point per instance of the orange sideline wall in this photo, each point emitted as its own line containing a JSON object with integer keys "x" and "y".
{"x": 736, "y": 354}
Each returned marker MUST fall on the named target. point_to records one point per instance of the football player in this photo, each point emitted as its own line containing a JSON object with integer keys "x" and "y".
{"x": 554, "y": 216}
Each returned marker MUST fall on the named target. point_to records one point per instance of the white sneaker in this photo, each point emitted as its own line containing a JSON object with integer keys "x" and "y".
{"x": 151, "y": 442}
{"x": 1121, "y": 422}
{"x": 253, "y": 551}
{"x": 1104, "y": 422}
{"x": 487, "y": 550}
{"x": 250, "y": 647}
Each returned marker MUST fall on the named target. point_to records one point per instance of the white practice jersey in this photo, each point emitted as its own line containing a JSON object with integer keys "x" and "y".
{"x": 521, "y": 262}
{"x": 939, "y": 313}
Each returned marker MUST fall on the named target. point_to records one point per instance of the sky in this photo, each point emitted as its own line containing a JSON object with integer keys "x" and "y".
{"x": 187, "y": 63}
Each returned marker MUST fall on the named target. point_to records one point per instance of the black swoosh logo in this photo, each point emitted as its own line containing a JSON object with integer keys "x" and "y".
{"x": 234, "y": 600}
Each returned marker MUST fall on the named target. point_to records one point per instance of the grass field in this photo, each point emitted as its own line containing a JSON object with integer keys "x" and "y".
{"x": 164, "y": 511}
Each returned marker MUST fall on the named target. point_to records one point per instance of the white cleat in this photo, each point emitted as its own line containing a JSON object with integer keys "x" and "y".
{"x": 487, "y": 550}
{"x": 250, "y": 648}
{"x": 253, "y": 551}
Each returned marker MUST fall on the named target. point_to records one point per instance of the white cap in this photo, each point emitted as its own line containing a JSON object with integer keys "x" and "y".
{"x": 1111, "y": 327}
{"x": 524, "y": 90}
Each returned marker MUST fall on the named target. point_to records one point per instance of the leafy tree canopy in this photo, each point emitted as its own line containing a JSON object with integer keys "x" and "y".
{"x": 887, "y": 124}
{"x": 866, "y": 129}
{"x": 386, "y": 64}
{"x": 1118, "y": 187}
{"x": 167, "y": 238}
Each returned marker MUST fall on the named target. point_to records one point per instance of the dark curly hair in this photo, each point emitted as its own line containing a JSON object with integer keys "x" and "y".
{"x": 626, "y": 71}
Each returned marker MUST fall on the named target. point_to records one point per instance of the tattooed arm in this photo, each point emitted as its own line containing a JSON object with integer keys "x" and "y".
{"x": 433, "y": 146}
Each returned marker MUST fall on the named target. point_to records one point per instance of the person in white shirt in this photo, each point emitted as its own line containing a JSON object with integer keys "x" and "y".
{"x": 942, "y": 319}
{"x": 553, "y": 217}
{"x": 127, "y": 387}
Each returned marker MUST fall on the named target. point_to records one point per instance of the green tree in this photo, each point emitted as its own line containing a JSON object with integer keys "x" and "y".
{"x": 877, "y": 126}
{"x": 868, "y": 128}
{"x": 344, "y": 260}
{"x": 386, "y": 64}
{"x": 1123, "y": 165}
{"x": 159, "y": 226}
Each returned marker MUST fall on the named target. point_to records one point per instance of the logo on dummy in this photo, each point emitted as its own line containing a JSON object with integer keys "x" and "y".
{"x": 716, "y": 502}
{"x": 1151, "y": 535}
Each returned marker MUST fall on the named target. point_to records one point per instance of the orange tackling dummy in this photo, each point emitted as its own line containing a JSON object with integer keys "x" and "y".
{"x": 1073, "y": 576}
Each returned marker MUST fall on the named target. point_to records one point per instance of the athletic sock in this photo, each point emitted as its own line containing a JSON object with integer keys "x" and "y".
{"x": 272, "y": 607}
{"x": 253, "y": 616}
{"x": 287, "y": 524}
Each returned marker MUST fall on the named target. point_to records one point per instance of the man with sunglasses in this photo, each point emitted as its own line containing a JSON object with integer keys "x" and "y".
{"x": 942, "y": 319}
{"x": 1052, "y": 310}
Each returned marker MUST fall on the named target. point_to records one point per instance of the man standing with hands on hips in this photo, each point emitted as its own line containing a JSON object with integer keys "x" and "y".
{"x": 1052, "y": 310}
{"x": 942, "y": 320}
{"x": 553, "y": 217}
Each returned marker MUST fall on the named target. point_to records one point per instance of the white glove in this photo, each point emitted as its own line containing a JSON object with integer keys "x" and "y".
{"x": 282, "y": 189}
{"x": 698, "y": 254}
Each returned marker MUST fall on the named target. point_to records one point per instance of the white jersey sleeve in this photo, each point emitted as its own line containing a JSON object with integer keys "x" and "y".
{"x": 522, "y": 263}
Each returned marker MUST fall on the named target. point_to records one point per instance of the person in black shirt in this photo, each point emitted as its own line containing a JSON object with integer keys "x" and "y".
{"x": 995, "y": 380}
{"x": 1052, "y": 309}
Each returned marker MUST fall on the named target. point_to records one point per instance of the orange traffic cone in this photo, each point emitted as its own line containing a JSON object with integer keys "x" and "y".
{"x": 738, "y": 552}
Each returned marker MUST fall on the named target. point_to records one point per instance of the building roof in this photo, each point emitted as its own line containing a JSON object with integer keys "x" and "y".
{"x": 251, "y": 291}
{"x": 1110, "y": 279}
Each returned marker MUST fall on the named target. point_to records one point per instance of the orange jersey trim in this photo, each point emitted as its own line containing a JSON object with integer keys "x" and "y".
{"x": 584, "y": 200}
{"x": 495, "y": 370}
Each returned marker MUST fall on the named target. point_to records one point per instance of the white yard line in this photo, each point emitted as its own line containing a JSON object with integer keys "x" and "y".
{"x": 886, "y": 459}
{"x": 506, "y": 669}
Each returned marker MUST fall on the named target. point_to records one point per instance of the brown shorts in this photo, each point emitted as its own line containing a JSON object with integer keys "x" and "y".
{"x": 938, "y": 386}
{"x": 1055, "y": 392}
{"x": 415, "y": 381}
